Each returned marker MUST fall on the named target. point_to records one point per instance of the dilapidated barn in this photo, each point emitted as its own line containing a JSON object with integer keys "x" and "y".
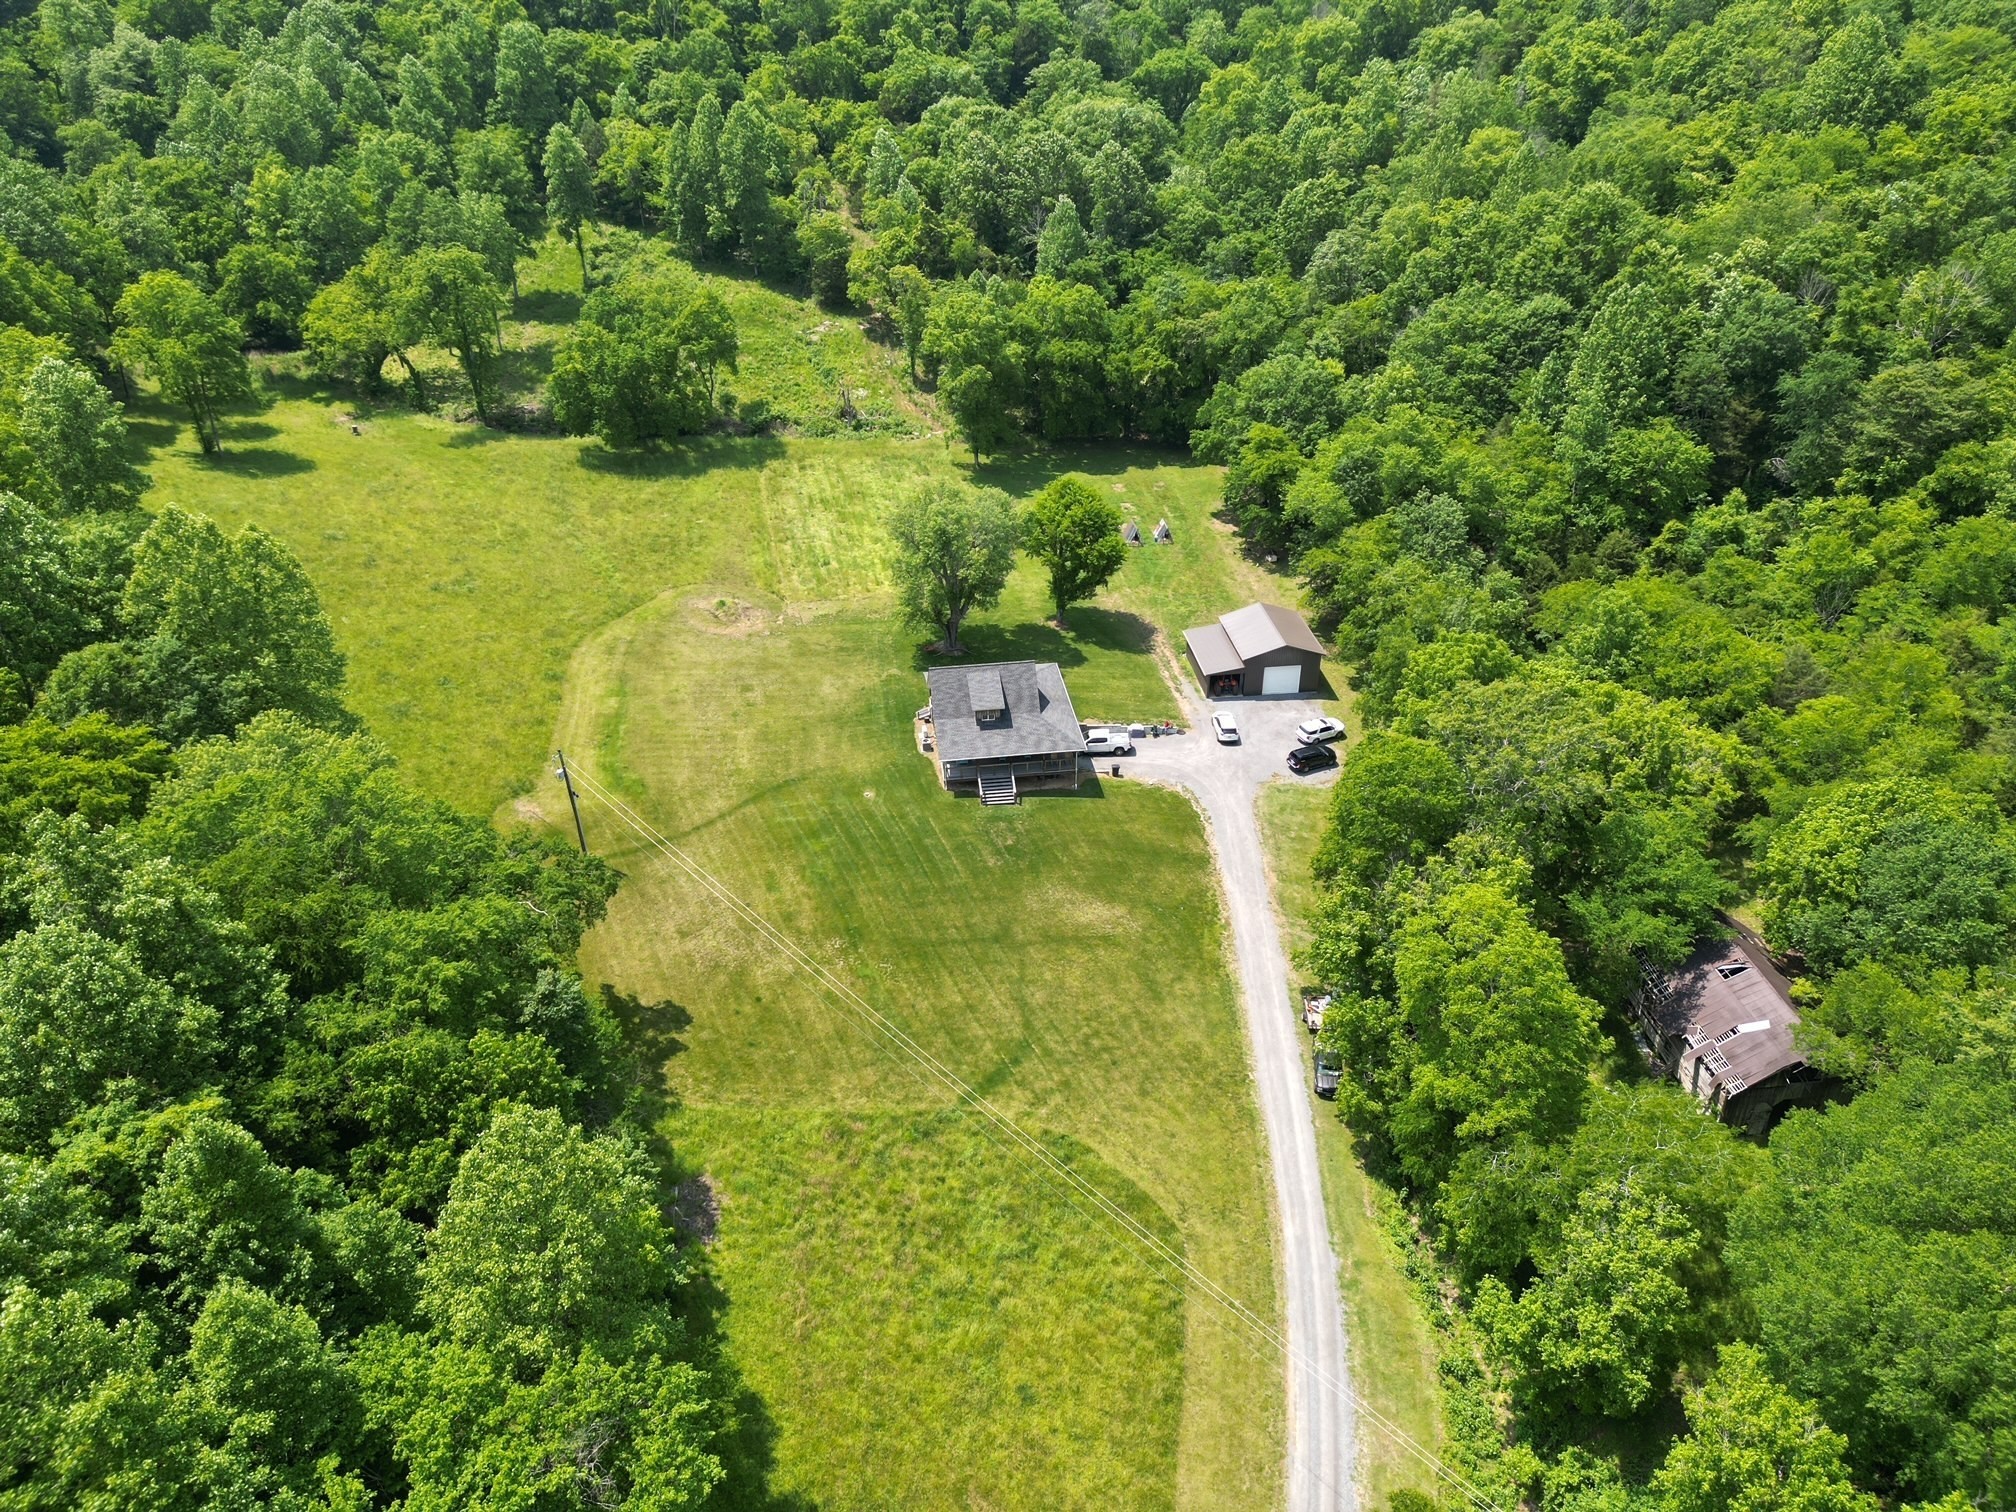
{"x": 1721, "y": 1024}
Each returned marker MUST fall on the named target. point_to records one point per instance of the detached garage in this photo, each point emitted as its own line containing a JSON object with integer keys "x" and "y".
{"x": 1254, "y": 652}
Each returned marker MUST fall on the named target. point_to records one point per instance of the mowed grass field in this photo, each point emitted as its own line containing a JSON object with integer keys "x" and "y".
{"x": 1065, "y": 957}
{"x": 929, "y": 1345}
{"x": 923, "y": 1320}
{"x": 462, "y": 568}
{"x": 1393, "y": 1351}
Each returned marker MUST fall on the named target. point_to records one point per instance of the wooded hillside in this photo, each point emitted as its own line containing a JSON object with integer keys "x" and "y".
{"x": 1631, "y": 386}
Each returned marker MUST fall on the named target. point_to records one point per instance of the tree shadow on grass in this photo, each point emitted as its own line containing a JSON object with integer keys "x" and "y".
{"x": 548, "y": 306}
{"x": 388, "y": 398}
{"x": 521, "y": 370}
{"x": 687, "y": 458}
{"x": 651, "y": 1030}
{"x": 748, "y": 1450}
{"x": 1024, "y": 472}
{"x": 476, "y": 433}
{"x": 247, "y": 430}
{"x": 1102, "y": 629}
{"x": 148, "y": 434}
{"x": 256, "y": 462}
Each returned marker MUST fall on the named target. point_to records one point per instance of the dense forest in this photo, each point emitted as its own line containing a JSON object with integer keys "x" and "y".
{"x": 1630, "y": 383}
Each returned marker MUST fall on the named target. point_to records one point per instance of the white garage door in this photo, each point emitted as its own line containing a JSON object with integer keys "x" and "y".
{"x": 1281, "y": 679}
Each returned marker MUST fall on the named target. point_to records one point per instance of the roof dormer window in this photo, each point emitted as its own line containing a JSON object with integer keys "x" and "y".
{"x": 990, "y": 702}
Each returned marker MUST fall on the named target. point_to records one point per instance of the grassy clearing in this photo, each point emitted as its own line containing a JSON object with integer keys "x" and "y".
{"x": 462, "y": 567}
{"x": 759, "y": 698}
{"x": 1066, "y": 957}
{"x": 709, "y": 627}
{"x": 797, "y": 356}
{"x": 1393, "y": 1351}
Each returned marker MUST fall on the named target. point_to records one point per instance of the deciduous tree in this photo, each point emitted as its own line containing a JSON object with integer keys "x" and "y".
{"x": 570, "y": 189}
{"x": 176, "y": 333}
{"x": 640, "y": 365}
{"x": 77, "y": 435}
{"x": 954, "y": 550}
{"x": 1075, "y": 535}
{"x": 456, "y": 300}
{"x": 1755, "y": 1447}
{"x": 220, "y": 628}
{"x": 825, "y": 243}
{"x": 1598, "y": 1332}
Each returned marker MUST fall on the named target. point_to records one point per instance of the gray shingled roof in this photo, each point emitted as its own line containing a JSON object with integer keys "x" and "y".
{"x": 1260, "y": 628}
{"x": 1040, "y": 722}
{"x": 1212, "y": 650}
{"x": 983, "y": 689}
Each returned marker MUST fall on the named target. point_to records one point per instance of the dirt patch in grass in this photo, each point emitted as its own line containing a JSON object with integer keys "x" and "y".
{"x": 721, "y": 615}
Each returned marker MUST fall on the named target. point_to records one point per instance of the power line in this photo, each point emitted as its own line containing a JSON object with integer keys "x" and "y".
{"x": 1081, "y": 1190}
{"x": 1026, "y": 1144}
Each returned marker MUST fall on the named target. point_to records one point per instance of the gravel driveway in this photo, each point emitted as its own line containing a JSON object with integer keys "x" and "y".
{"x": 1226, "y": 782}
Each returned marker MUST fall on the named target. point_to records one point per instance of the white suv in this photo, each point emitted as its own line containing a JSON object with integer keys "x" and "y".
{"x": 1320, "y": 731}
{"x": 1225, "y": 727}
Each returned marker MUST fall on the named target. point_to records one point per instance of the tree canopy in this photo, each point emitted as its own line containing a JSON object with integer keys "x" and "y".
{"x": 954, "y": 549}
{"x": 1628, "y": 389}
{"x": 1075, "y": 536}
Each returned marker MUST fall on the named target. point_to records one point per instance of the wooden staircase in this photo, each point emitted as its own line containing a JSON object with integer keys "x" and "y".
{"x": 997, "y": 787}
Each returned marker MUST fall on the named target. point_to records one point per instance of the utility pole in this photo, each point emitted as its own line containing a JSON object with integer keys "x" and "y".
{"x": 572, "y": 801}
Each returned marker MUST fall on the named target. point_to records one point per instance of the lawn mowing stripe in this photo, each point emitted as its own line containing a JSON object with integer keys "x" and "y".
{"x": 1034, "y": 1152}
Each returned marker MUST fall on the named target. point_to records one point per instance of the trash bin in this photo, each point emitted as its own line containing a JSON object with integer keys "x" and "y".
{"x": 1116, "y": 769}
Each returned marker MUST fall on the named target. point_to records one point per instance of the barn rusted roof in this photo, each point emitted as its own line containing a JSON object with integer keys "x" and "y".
{"x": 1732, "y": 1015}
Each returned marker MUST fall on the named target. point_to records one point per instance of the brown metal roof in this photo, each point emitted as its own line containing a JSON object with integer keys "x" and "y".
{"x": 1260, "y": 628}
{"x": 1732, "y": 1016}
{"x": 1211, "y": 648}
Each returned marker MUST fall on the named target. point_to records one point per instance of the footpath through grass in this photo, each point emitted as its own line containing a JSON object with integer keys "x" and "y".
{"x": 1393, "y": 1349}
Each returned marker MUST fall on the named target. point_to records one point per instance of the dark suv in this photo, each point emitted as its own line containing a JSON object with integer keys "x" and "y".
{"x": 1311, "y": 758}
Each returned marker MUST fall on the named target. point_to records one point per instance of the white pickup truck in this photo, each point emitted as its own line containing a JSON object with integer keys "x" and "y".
{"x": 1109, "y": 742}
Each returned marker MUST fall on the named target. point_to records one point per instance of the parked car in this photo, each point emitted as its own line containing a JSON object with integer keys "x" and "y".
{"x": 1319, "y": 731}
{"x": 1311, "y": 758}
{"x": 1109, "y": 743}
{"x": 1225, "y": 727}
{"x": 1329, "y": 1072}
